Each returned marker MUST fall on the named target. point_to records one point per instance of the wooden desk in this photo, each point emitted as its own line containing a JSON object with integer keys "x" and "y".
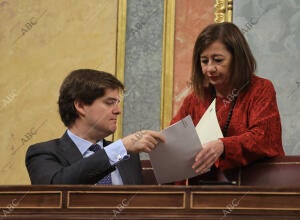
{"x": 275, "y": 172}
{"x": 149, "y": 202}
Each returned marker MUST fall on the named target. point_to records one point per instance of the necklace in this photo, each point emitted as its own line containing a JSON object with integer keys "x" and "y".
{"x": 229, "y": 116}
{"x": 232, "y": 104}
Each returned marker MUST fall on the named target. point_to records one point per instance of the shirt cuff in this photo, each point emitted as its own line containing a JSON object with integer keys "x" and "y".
{"x": 115, "y": 151}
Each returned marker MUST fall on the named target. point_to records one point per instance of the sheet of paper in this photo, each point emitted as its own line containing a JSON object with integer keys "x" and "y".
{"x": 173, "y": 160}
{"x": 208, "y": 128}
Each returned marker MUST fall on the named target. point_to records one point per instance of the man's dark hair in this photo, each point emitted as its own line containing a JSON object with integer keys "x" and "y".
{"x": 84, "y": 85}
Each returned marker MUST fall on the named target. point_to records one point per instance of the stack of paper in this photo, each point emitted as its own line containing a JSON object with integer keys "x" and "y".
{"x": 172, "y": 161}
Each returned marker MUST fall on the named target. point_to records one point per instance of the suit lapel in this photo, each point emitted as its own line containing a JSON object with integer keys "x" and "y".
{"x": 68, "y": 149}
{"x": 123, "y": 170}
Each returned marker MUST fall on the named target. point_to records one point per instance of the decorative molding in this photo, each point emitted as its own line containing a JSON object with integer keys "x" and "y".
{"x": 223, "y": 11}
{"x": 24, "y": 200}
{"x": 167, "y": 63}
{"x": 178, "y": 204}
{"x": 264, "y": 197}
{"x": 120, "y": 58}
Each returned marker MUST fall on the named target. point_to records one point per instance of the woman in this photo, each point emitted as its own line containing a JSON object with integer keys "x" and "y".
{"x": 223, "y": 68}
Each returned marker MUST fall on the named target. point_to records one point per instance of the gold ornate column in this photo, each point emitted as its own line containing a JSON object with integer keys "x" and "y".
{"x": 167, "y": 64}
{"x": 223, "y": 11}
{"x": 120, "y": 61}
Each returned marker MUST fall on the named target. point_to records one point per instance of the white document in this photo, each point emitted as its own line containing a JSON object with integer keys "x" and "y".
{"x": 208, "y": 128}
{"x": 173, "y": 160}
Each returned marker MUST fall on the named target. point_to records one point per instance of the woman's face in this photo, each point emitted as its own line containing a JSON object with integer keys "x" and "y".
{"x": 216, "y": 65}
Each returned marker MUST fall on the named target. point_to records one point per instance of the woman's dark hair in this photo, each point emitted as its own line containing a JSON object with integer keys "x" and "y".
{"x": 85, "y": 85}
{"x": 243, "y": 63}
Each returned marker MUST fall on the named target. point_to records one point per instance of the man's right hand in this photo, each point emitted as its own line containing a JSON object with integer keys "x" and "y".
{"x": 142, "y": 141}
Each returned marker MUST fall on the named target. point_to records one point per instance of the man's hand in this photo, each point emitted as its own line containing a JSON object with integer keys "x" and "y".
{"x": 208, "y": 156}
{"x": 142, "y": 141}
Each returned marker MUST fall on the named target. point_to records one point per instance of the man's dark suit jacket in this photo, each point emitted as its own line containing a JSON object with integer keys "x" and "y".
{"x": 60, "y": 162}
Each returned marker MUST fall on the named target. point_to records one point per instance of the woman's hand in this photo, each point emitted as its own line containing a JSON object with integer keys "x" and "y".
{"x": 208, "y": 156}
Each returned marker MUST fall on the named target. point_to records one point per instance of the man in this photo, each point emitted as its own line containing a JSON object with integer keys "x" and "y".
{"x": 88, "y": 106}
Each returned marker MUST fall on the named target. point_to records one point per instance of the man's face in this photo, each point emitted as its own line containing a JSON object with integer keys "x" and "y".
{"x": 100, "y": 118}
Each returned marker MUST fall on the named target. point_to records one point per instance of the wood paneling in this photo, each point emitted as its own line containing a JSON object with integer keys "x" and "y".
{"x": 149, "y": 202}
{"x": 134, "y": 200}
{"x": 43, "y": 199}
